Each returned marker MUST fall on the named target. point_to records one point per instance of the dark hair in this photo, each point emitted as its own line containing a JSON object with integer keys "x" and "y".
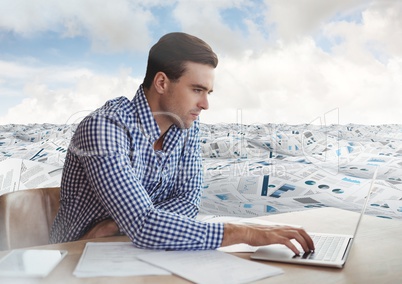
{"x": 172, "y": 51}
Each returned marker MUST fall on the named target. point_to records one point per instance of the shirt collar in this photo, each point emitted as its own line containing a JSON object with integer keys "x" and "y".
{"x": 146, "y": 119}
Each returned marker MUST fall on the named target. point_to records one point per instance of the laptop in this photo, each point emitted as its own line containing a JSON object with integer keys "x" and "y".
{"x": 331, "y": 250}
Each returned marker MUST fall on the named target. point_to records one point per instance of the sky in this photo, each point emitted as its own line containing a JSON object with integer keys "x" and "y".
{"x": 280, "y": 61}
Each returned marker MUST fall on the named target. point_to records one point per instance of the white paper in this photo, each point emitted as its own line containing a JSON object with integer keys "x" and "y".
{"x": 210, "y": 266}
{"x": 37, "y": 175}
{"x": 19, "y": 174}
{"x": 238, "y": 248}
{"x": 114, "y": 259}
{"x": 10, "y": 171}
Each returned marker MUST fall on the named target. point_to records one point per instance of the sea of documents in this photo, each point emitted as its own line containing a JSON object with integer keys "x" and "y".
{"x": 249, "y": 170}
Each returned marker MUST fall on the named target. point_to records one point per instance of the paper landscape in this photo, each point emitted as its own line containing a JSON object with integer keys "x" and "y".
{"x": 249, "y": 170}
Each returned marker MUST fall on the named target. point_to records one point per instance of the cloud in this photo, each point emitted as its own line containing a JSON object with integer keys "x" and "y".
{"x": 112, "y": 26}
{"x": 297, "y": 18}
{"x": 275, "y": 70}
{"x": 86, "y": 91}
{"x": 298, "y": 82}
{"x": 231, "y": 27}
{"x": 379, "y": 34}
{"x": 204, "y": 19}
{"x": 383, "y": 24}
{"x": 27, "y": 17}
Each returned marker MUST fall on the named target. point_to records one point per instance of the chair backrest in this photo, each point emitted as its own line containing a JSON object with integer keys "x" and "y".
{"x": 26, "y": 217}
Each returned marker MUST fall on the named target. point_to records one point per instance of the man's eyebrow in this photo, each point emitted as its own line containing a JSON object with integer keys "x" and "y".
{"x": 202, "y": 87}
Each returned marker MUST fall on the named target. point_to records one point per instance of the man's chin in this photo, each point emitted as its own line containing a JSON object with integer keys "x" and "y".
{"x": 185, "y": 124}
{"x": 188, "y": 125}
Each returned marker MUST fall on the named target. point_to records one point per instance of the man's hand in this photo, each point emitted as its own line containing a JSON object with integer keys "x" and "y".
{"x": 259, "y": 235}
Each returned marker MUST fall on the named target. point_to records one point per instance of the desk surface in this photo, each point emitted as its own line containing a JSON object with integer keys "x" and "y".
{"x": 376, "y": 256}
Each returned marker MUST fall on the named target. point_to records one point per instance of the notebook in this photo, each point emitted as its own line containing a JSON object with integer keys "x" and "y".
{"x": 331, "y": 250}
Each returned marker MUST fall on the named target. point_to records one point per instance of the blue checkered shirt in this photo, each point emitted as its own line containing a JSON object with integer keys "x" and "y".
{"x": 112, "y": 171}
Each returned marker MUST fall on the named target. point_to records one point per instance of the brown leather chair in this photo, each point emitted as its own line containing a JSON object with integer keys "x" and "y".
{"x": 26, "y": 217}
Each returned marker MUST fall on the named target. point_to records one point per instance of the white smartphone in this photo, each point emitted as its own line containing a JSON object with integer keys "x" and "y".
{"x": 30, "y": 262}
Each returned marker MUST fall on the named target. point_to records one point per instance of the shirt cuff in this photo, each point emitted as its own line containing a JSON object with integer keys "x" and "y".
{"x": 214, "y": 235}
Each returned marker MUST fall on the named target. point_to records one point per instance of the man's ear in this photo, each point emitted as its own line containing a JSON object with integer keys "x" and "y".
{"x": 160, "y": 82}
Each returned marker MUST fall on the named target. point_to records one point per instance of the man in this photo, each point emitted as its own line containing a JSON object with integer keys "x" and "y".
{"x": 134, "y": 167}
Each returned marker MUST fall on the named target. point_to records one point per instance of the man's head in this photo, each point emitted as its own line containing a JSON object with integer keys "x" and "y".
{"x": 179, "y": 78}
{"x": 171, "y": 53}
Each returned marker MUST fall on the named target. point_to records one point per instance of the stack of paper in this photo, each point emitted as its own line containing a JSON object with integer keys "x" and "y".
{"x": 114, "y": 259}
{"x": 208, "y": 266}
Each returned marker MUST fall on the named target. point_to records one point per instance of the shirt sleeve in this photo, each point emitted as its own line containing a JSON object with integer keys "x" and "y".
{"x": 103, "y": 147}
{"x": 188, "y": 185}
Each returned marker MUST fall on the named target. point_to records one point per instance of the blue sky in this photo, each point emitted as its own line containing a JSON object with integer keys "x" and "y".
{"x": 294, "y": 61}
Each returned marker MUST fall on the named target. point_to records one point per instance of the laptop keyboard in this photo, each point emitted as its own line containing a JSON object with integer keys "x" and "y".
{"x": 326, "y": 248}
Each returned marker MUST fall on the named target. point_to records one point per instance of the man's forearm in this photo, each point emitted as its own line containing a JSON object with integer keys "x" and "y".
{"x": 234, "y": 234}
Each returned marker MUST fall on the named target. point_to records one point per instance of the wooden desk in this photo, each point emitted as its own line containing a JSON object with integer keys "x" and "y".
{"x": 376, "y": 256}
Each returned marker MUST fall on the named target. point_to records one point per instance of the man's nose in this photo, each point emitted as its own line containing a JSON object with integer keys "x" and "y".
{"x": 203, "y": 103}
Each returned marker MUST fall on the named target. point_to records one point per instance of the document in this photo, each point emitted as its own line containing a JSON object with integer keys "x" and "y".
{"x": 210, "y": 266}
{"x": 19, "y": 174}
{"x": 114, "y": 259}
{"x": 10, "y": 171}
